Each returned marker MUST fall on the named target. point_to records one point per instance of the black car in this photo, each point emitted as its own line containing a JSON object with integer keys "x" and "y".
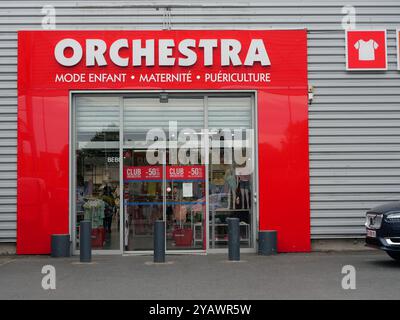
{"x": 383, "y": 228}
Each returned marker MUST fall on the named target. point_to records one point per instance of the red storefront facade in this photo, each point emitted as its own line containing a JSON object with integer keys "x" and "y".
{"x": 270, "y": 64}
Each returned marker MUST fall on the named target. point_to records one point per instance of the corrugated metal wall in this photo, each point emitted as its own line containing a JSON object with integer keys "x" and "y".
{"x": 354, "y": 119}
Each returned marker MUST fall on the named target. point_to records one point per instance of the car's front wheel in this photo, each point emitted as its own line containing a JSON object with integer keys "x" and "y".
{"x": 394, "y": 255}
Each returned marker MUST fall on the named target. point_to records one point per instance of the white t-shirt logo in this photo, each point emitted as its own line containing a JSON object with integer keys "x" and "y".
{"x": 366, "y": 49}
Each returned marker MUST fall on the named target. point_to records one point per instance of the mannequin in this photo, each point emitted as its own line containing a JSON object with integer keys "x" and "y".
{"x": 89, "y": 187}
{"x": 230, "y": 180}
{"x": 180, "y": 211}
{"x": 244, "y": 186}
{"x": 245, "y": 190}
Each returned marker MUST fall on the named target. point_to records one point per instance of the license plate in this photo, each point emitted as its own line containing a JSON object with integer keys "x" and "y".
{"x": 371, "y": 233}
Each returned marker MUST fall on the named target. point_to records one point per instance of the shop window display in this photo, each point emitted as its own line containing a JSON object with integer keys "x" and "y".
{"x": 229, "y": 197}
{"x": 97, "y": 169}
{"x": 98, "y": 197}
{"x": 174, "y": 189}
{"x": 230, "y": 193}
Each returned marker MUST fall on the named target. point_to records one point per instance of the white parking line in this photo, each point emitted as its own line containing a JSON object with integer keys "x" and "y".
{"x": 6, "y": 262}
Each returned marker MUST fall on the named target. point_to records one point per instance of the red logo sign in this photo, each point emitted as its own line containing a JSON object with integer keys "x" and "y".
{"x": 366, "y": 50}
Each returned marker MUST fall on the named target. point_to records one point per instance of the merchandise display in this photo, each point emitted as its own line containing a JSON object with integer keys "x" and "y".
{"x": 94, "y": 212}
{"x": 229, "y": 199}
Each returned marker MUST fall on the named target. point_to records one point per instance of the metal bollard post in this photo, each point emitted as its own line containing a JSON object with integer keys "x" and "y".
{"x": 233, "y": 239}
{"x": 159, "y": 241}
{"x": 85, "y": 241}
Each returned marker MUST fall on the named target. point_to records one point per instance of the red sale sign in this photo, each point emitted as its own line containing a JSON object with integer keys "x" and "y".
{"x": 185, "y": 173}
{"x": 143, "y": 173}
{"x": 366, "y": 50}
{"x": 139, "y": 173}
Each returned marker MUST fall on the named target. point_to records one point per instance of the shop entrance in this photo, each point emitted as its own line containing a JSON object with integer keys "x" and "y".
{"x": 185, "y": 158}
{"x": 164, "y": 178}
{"x": 173, "y": 193}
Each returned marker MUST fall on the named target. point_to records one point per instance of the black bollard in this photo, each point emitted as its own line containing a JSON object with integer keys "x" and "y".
{"x": 85, "y": 241}
{"x": 233, "y": 239}
{"x": 60, "y": 245}
{"x": 267, "y": 242}
{"x": 159, "y": 241}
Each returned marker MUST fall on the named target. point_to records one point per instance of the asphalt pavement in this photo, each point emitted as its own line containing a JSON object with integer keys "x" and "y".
{"x": 284, "y": 276}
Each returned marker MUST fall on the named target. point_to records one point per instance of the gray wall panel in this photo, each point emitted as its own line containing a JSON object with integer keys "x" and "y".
{"x": 354, "y": 119}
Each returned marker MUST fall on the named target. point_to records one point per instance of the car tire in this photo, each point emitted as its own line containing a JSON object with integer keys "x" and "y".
{"x": 394, "y": 255}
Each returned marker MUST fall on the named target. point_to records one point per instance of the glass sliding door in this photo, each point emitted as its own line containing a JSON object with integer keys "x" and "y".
{"x": 143, "y": 199}
{"x": 163, "y": 174}
{"x": 96, "y": 141}
{"x": 185, "y": 206}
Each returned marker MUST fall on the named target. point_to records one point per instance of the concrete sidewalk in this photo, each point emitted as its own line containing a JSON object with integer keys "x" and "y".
{"x": 284, "y": 276}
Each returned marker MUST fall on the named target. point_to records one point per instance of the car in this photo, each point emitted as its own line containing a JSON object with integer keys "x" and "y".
{"x": 383, "y": 228}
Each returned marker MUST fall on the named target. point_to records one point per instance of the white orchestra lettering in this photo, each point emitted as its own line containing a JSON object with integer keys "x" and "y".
{"x": 232, "y": 52}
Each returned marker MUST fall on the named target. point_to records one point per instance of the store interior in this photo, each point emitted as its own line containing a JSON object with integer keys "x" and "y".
{"x": 98, "y": 199}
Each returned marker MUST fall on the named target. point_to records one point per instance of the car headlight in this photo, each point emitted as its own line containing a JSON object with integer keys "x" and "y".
{"x": 373, "y": 220}
{"x": 395, "y": 216}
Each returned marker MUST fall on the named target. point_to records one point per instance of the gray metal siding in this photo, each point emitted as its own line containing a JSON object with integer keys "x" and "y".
{"x": 354, "y": 119}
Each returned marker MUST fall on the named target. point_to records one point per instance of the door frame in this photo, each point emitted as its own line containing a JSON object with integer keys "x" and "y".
{"x": 132, "y": 94}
